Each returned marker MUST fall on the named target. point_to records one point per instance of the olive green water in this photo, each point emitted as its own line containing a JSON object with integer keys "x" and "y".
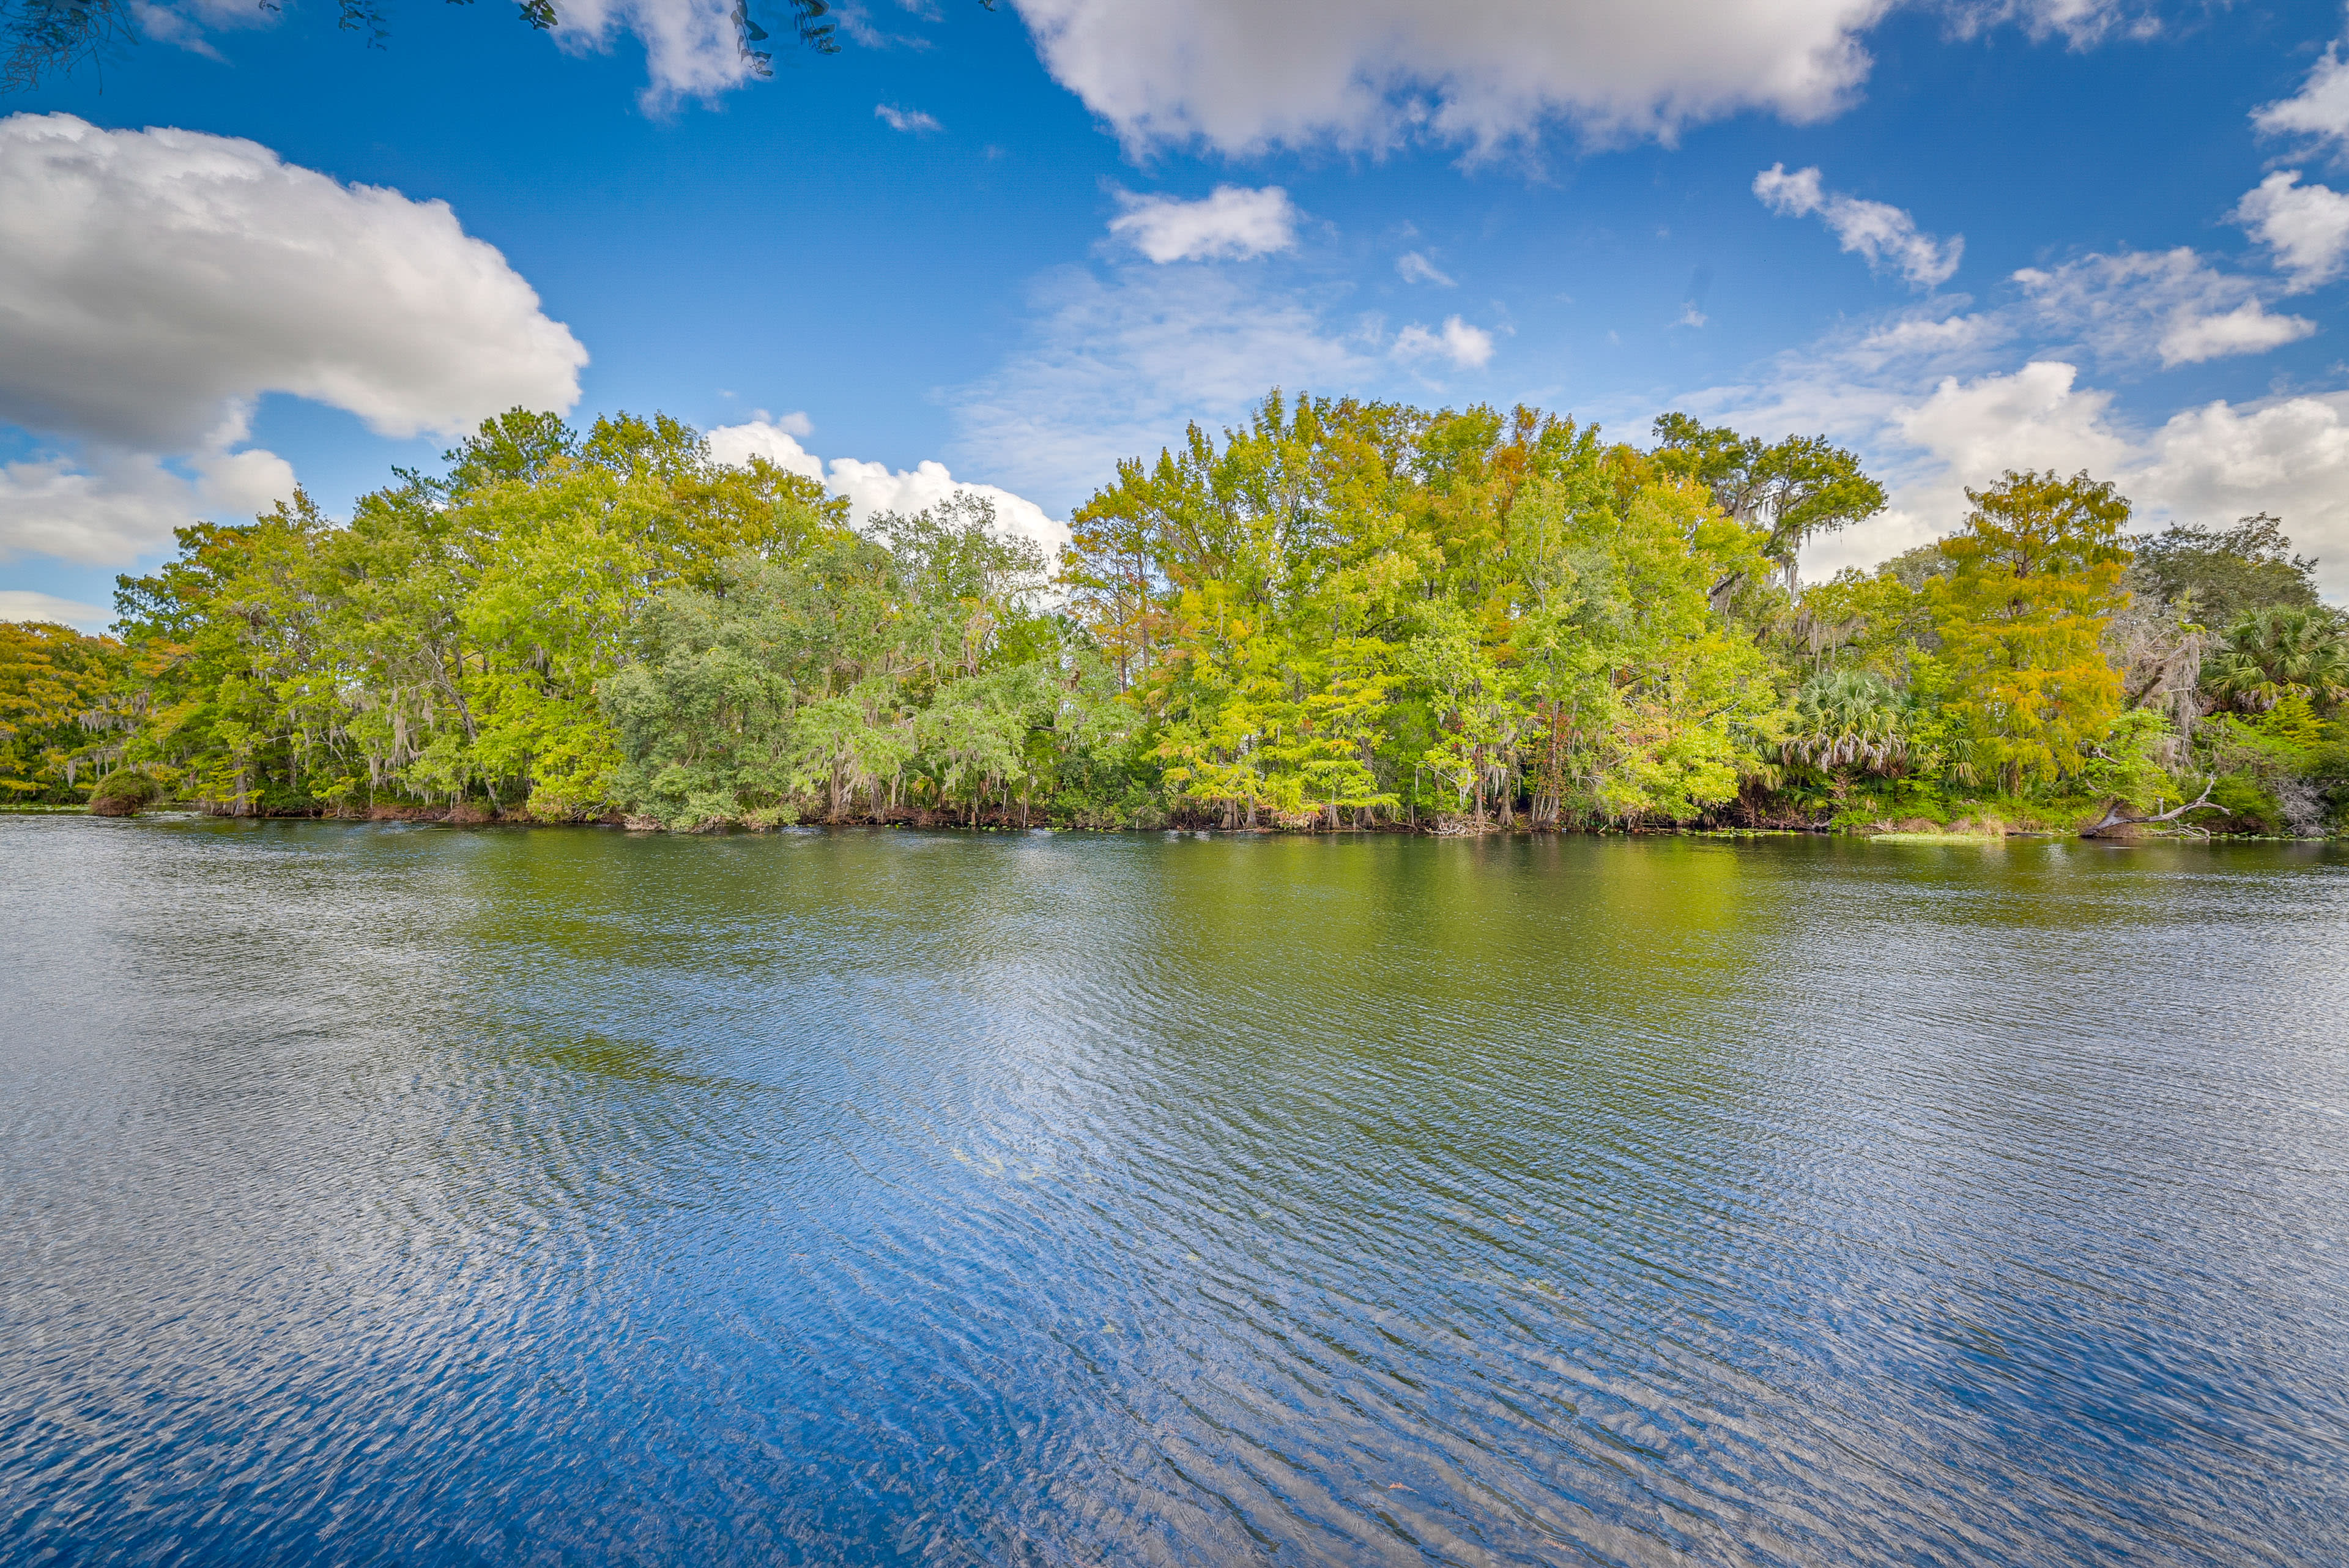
{"x": 390, "y": 1193}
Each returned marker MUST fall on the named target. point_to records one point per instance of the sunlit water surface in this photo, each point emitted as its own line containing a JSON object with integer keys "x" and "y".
{"x": 392, "y": 1193}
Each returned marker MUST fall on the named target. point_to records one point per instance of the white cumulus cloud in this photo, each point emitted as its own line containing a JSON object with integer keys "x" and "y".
{"x": 2169, "y": 306}
{"x": 1241, "y": 75}
{"x": 1232, "y": 224}
{"x": 1928, "y": 433}
{"x": 2307, "y": 226}
{"x": 2320, "y": 110}
{"x": 1881, "y": 233}
{"x": 112, "y": 506}
{"x": 153, "y": 284}
{"x": 2248, "y": 329}
{"x": 151, "y": 279}
{"x": 2033, "y": 418}
{"x": 1467, "y": 348}
{"x": 873, "y": 487}
{"x": 2287, "y": 456}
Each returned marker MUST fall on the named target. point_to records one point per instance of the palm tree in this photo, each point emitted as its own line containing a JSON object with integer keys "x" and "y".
{"x": 1845, "y": 717}
{"x": 2277, "y": 653}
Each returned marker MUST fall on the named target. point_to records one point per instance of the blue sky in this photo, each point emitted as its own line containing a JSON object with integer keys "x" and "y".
{"x": 904, "y": 254}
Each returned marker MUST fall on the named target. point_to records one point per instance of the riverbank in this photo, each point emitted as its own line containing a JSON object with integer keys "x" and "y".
{"x": 1963, "y": 828}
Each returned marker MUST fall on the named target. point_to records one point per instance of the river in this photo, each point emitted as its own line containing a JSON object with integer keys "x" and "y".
{"x": 403, "y": 1193}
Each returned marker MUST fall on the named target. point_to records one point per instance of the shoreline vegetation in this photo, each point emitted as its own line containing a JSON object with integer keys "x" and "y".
{"x": 1913, "y": 831}
{"x": 1342, "y": 617}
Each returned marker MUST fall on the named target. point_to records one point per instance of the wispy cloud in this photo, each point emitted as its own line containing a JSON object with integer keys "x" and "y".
{"x": 857, "y": 23}
{"x": 1115, "y": 367}
{"x": 19, "y": 604}
{"x": 2080, "y": 23}
{"x": 1940, "y": 338}
{"x": 2164, "y": 306}
{"x": 911, "y": 121}
{"x": 1884, "y": 234}
{"x": 1414, "y": 267}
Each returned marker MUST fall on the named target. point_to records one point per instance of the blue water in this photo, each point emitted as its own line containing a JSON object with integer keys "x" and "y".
{"x": 420, "y": 1195}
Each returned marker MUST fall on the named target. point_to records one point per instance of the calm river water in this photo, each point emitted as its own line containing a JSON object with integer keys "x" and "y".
{"x": 391, "y": 1193}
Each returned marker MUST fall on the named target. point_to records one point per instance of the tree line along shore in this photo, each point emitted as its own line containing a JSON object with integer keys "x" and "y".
{"x": 1342, "y": 616}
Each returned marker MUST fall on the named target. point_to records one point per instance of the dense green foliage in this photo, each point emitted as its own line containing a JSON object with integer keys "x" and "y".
{"x": 1341, "y": 615}
{"x": 56, "y": 692}
{"x": 2223, "y": 575}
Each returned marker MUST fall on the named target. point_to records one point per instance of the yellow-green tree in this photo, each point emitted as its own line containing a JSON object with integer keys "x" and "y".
{"x": 57, "y": 711}
{"x": 2035, "y": 577}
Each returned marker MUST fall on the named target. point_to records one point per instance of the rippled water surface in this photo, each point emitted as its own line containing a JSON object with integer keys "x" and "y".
{"x": 375, "y": 1193}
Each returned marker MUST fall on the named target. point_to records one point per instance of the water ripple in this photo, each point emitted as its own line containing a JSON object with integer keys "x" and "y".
{"x": 387, "y": 1193}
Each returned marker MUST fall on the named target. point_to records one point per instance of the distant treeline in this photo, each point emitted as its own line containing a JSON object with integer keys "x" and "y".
{"x": 1345, "y": 615}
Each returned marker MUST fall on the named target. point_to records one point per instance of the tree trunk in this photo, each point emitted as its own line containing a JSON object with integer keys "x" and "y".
{"x": 1552, "y": 796}
{"x": 2115, "y": 817}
